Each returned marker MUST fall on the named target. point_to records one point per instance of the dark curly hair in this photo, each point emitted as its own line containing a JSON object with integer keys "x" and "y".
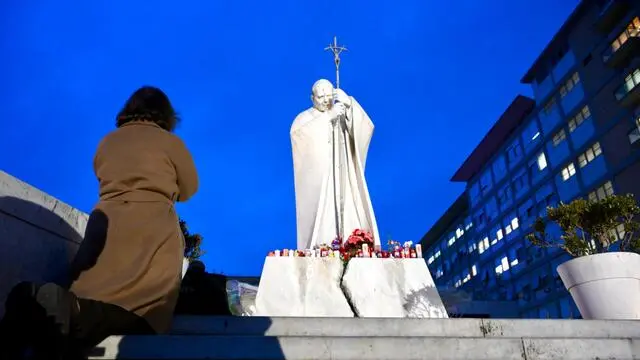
{"x": 149, "y": 104}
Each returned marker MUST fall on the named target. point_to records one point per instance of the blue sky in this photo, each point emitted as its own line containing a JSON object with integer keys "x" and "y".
{"x": 432, "y": 75}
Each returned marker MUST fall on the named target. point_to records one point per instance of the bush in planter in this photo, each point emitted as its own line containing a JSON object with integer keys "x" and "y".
{"x": 603, "y": 284}
{"x": 589, "y": 227}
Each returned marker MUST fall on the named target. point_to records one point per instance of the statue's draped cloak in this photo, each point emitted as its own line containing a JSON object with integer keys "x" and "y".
{"x": 319, "y": 150}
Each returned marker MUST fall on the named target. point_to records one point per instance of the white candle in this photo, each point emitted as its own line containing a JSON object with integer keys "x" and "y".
{"x": 365, "y": 250}
{"x": 419, "y": 250}
{"x": 276, "y": 253}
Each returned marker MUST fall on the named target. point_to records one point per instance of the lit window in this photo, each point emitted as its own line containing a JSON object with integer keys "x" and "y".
{"x": 431, "y": 259}
{"x": 514, "y": 223}
{"x": 499, "y": 234}
{"x": 459, "y": 232}
{"x": 559, "y": 137}
{"x": 437, "y": 254}
{"x": 466, "y": 278}
{"x": 590, "y": 154}
{"x": 535, "y": 136}
{"x": 568, "y": 172}
{"x": 617, "y": 232}
{"x": 579, "y": 118}
{"x": 483, "y": 245}
{"x": 542, "y": 162}
{"x": 514, "y": 262}
{"x": 569, "y": 84}
{"x": 632, "y": 30}
{"x": 602, "y": 192}
{"x": 474, "y": 271}
{"x": 451, "y": 241}
{"x": 503, "y": 266}
{"x": 505, "y": 263}
{"x": 472, "y": 247}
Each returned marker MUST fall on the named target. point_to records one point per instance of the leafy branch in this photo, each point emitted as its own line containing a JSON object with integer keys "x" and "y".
{"x": 591, "y": 227}
{"x": 192, "y": 250}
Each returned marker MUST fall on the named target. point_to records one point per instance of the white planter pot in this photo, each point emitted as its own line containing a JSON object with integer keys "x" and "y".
{"x": 604, "y": 286}
{"x": 185, "y": 266}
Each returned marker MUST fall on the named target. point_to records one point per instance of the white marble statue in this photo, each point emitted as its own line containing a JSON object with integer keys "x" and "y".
{"x": 330, "y": 142}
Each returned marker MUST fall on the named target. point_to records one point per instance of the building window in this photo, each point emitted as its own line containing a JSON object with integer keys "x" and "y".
{"x": 634, "y": 134}
{"x": 474, "y": 194}
{"x": 579, "y": 118}
{"x": 589, "y": 155}
{"x": 451, "y": 240}
{"x": 491, "y": 209}
{"x": 531, "y": 135}
{"x": 559, "y": 137}
{"x": 483, "y": 245}
{"x": 503, "y": 265}
{"x": 568, "y": 171}
{"x": 549, "y": 107}
{"x": 499, "y": 168}
{"x": 602, "y": 192}
{"x": 514, "y": 153}
{"x": 505, "y": 196}
{"x": 632, "y": 30}
{"x": 481, "y": 218}
{"x": 520, "y": 181}
{"x": 618, "y": 232}
{"x": 468, "y": 223}
{"x": 630, "y": 82}
{"x": 569, "y": 84}
{"x": 485, "y": 182}
{"x": 511, "y": 225}
{"x": 542, "y": 161}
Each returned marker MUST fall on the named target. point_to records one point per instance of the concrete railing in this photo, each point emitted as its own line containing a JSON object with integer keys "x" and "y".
{"x": 39, "y": 235}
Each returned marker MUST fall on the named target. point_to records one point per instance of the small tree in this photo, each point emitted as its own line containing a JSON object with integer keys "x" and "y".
{"x": 192, "y": 250}
{"x": 589, "y": 227}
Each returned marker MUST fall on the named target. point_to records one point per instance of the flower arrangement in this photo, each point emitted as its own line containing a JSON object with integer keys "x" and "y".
{"x": 359, "y": 244}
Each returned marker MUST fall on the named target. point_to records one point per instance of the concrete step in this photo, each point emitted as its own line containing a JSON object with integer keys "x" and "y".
{"x": 398, "y": 327}
{"x": 192, "y": 347}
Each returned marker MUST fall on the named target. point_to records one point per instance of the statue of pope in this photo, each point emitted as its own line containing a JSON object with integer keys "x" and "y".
{"x": 330, "y": 142}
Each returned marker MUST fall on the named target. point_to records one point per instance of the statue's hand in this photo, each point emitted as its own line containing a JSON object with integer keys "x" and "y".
{"x": 337, "y": 111}
{"x": 340, "y": 96}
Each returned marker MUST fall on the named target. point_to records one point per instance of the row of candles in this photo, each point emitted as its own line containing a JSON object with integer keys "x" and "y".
{"x": 365, "y": 252}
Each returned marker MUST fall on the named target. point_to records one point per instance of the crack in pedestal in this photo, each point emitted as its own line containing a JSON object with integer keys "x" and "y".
{"x": 345, "y": 292}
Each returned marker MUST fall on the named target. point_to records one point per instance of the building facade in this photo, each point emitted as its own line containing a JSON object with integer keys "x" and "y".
{"x": 579, "y": 137}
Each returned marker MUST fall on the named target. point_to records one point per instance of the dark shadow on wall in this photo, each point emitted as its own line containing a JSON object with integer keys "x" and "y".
{"x": 210, "y": 337}
{"x": 37, "y": 244}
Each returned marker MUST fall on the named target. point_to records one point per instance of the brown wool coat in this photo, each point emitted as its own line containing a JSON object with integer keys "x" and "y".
{"x": 133, "y": 247}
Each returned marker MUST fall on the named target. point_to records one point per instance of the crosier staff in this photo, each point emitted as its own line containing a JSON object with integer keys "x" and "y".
{"x": 337, "y": 50}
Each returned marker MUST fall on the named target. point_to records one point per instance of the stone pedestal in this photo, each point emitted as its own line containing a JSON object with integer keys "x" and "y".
{"x": 302, "y": 286}
{"x": 392, "y": 288}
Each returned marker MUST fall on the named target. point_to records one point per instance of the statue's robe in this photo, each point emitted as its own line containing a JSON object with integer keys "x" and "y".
{"x": 320, "y": 150}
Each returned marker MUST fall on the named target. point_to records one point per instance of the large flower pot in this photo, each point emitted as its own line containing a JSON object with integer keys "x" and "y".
{"x": 604, "y": 286}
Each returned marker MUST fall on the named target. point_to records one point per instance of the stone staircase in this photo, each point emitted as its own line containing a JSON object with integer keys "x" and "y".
{"x": 200, "y": 337}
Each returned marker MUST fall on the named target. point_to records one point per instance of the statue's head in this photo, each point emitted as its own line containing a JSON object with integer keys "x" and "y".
{"x": 322, "y": 94}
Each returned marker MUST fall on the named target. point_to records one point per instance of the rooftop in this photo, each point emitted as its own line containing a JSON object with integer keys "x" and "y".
{"x": 557, "y": 39}
{"x": 515, "y": 114}
{"x": 457, "y": 209}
